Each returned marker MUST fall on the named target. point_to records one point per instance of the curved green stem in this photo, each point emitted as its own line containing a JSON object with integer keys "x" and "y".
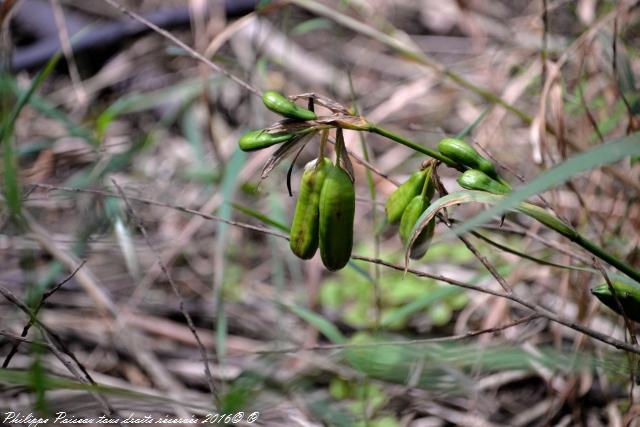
{"x": 606, "y": 256}
{"x": 569, "y": 232}
{"x": 407, "y": 142}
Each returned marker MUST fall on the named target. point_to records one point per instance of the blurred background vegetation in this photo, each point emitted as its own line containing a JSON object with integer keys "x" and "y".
{"x": 139, "y": 240}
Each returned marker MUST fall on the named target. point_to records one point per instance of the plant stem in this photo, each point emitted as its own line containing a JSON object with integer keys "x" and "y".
{"x": 569, "y": 232}
{"x": 535, "y": 212}
{"x": 407, "y": 142}
{"x": 606, "y": 256}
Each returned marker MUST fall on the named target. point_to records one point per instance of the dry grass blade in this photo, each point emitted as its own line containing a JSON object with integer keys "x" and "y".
{"x": 284, "y": 151}
{"x": 28, "y": 326}
{"x": 166, "y": 205}
{"x": 55, "y": 344}
{"x": 192, "y": 328}
{"x": 188, "y": 49}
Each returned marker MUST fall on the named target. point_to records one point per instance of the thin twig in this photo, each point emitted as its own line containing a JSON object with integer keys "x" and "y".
{"x": 21, "y": 339}
{"x": 185, "y": 313}
{"x": 63, "y": 34}
{"x": 5, "y": 9}
{"x": 28, "y": 326}
{"x": 490, "y": 267}
{"x": 543, "y": 312}
{"x": 368, "y": 165}
{"x": 59, "y": 349}
{"x": 545, "y": 37}
{"x": 268, "y": 231}
{"x": 460, "y": 337}
{"x": 183, "y": 45}
{"x": 583, "y": 101}
{"x": 166, "y": 205}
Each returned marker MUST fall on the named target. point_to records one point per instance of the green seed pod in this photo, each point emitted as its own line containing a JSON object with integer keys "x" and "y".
{"x": 402, "y": 196}
{"x": 409, "y": 218}
{"x": 278, "y": 103}
{"x": 259, "y": 139}
{"x": 337, "y": 208}
{"x": 473, "y": 179}
{"x": 628, "y": 295}
{"x": 465, "y": 155}
{"x": 306, "y": 219}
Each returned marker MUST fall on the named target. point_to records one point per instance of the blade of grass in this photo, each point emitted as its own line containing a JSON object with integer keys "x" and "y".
{"x": 528, "y": 209}
{"x": 46, "y": 108}
{"x": 54, "y": 382}
{"x": 530, "y": 257}
{"x": 466, "y": 131}
{"x": 229, "y": 184}
{"x": 183, "y": 93}
{"x": 323, "y": 325}
{"x": 11, "y": 182}
{"x": 410, "y": 52}
{"x": 278, "y": 268}
{"x": 261, "y": 217}
{"x": 419, "y": 304}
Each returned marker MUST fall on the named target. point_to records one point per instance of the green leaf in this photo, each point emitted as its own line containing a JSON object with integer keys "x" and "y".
{"x": 537, "y": 260}
{"x": 181, "y": 93}
{"x": 229, "y": 185}
{"x": 419, "y": 304}
{"x": 466, "y": 131}
{"x": 260, "y": 217}
{"x": 327, "y": 328}
{"x": 10, "y": 159}
{"x": 312, "y": 25}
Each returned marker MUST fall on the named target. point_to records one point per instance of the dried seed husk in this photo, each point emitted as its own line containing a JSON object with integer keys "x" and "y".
{"x": 337, "y": 209}
{"x": 306, "y": 219}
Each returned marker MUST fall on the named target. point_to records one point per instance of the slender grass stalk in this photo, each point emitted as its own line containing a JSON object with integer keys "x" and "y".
{"x": 407, "y": 142}
{"x": 569, "y": 232}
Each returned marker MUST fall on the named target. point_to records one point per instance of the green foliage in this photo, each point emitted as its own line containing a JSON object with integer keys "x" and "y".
{"x": 261, "y": 217}
{"x": 446, "y": 367}
{"x": 8, "y": 117}
{"x": 241, "y": 392}
{"x": 183, "y": 92}
{"x": 362, "y": 397}
{"x": 352, "y": 295}
{"x": 38, "y": 378}
{"x": 311, "y": 25}
{"x": 323, "y": 325}
{"x": 332, "y": 414}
